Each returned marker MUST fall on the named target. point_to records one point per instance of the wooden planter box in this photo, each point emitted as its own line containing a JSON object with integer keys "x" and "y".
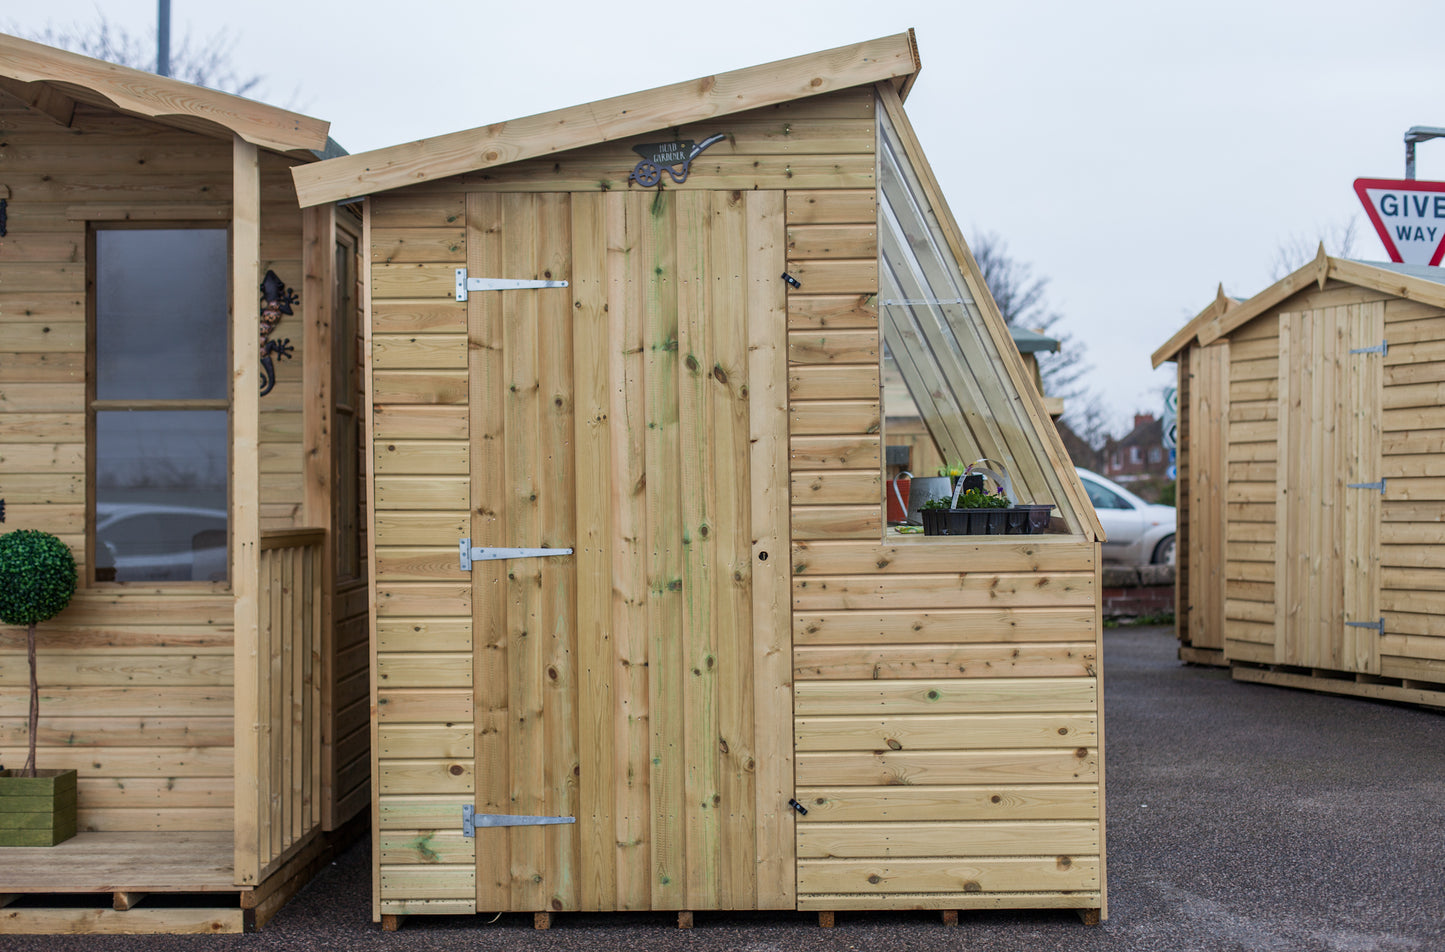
{"x": 37, "y": 811}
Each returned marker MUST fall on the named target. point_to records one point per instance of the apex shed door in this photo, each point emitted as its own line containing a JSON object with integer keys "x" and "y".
{"x": 640, "y": 685}
{"x": 1327, "y": 534}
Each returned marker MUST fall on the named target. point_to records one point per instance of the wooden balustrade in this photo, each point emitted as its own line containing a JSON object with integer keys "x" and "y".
{"x": 282, "y": 789}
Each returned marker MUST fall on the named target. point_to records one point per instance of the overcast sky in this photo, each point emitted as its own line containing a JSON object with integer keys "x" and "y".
{"x": 1136, "y": 154}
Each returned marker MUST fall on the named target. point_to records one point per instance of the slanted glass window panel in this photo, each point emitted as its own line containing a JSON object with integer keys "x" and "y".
{"x": 943, "y": 371}
{"x": 160, "y": 495}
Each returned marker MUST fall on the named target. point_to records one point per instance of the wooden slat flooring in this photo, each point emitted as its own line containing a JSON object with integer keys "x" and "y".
{"x": 126, "y": 862}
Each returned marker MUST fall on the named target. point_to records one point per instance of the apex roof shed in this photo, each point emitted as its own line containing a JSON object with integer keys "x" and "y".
{"x": 734, "y": 687}
{"x": 208, "y": 680}
{"x": 1311, "y": 424}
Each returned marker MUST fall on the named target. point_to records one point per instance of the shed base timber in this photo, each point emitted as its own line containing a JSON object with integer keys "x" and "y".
{"x": 1214, "y": 657}
{"x": 1403, "y": 691}
{"x": 149, "y": 883}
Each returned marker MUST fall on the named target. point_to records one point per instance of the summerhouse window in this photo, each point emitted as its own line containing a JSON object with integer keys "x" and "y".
{"x": 157, "y": 417}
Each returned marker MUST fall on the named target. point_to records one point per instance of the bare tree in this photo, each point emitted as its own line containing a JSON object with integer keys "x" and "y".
{"x": 207, "y": 62}
{"x": 1299, "y": 249}
{"x": 1022, "y": 299}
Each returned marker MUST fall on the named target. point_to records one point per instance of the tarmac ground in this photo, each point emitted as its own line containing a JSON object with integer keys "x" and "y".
{"x": 1240, "y": 817}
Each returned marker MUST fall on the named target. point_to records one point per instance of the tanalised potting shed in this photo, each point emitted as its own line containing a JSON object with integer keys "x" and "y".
{"x": 208, "y": 680}
{"x": 1311, "y": 488}
{"x": 727, "y": 684}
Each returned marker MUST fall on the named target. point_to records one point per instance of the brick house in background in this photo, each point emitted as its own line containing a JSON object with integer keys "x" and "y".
{"x": 1139, "y": 457}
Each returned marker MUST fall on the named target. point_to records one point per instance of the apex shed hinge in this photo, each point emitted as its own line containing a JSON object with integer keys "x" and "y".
{"x": 471, "y": 819}
{"x": 465, "y": 284}
{"x": 482, "y": 554}
{"x": 1379, "y": 485}
{"x": 1378, "y": 626}
{"x": 1382, "y": 348}
{"x": 907, "y": 302}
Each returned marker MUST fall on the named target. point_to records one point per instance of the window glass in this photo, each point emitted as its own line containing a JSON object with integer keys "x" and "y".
{"x": 1104, "y": 498}
{"x": 160, "y": 495}
{"x": 160, "y": 314}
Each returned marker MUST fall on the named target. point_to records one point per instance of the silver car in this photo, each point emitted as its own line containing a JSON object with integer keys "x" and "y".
{"x": 1138, "y": 532}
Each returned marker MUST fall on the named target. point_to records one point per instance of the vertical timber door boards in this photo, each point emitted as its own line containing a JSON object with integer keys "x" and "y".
{"x": 643, "y": 684}
{"x": 1363, "y": 508}
{"x": 1327, "y": 550}
{"x": 523, "y": 495}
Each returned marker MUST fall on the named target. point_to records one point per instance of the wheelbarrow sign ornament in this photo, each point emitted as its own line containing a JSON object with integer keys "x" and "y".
{"x": 659, "y": 157}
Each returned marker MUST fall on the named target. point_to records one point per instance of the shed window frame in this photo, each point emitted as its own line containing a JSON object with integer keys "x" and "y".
{"x": 933, "y": 330}
{"x": 95, "y": 405}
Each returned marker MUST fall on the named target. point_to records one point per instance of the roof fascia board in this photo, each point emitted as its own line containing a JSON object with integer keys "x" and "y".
{"x": 1215, "y": 322}
{"x": 502, "y": 143}
{"x": 1029, "y": 398}
{"x": 1316, "y": 272}
{"x": 1390, "y": 282}
{"x": 1171, "y": 348}
{"x": 161, "y": 98}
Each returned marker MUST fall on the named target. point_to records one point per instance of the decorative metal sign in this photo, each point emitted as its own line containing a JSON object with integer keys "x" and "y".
{"x": 276, "y": 300}
{"x": 661, "y": 157}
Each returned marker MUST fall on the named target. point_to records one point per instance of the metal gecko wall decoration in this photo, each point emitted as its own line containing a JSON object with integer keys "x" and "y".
{"x": 661, "y": 157}
{"x": 276, "y": 301}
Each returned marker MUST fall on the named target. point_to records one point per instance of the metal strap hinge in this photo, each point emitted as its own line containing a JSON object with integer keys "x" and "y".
{"x": 1380, "y": 486}
{"x": 482, "y": 554}
{"x": 1382, "y": 348}
{"x": 1376, "y": 625}
{"x": 465, "y": 284}
{"x": 915, "y": 301}
{"x": 471, "y": 819}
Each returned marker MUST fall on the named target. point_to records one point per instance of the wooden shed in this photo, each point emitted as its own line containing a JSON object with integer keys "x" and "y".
{"x": 729, "y": 685}
{"x": 208, "y": 680}
{"x": 1311, "y": 488}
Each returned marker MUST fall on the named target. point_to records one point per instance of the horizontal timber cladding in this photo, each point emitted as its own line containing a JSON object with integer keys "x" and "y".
{"x": 836, "y": 441}
{"x": 424, "y": 735}
{"x": 948, "y": 724}
{"x": 137, "y": 695}
{"x": 823, "y": 142}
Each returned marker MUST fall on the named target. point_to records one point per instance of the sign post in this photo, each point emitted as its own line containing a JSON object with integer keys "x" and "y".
{"x": 1408, "y": 215}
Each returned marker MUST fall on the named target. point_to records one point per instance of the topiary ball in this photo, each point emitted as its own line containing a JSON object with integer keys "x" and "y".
{"x": 37, "y": 577}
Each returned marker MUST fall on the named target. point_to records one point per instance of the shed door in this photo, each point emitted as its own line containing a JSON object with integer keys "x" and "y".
{"x": 1327, "y": 542}
{"x": 640, "y": 685}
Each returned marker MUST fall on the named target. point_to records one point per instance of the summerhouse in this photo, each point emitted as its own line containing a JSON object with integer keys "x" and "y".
{"x": 1311, "y": 423}
{"x": 642, "y": 638}
{"x": 208, "y": 680}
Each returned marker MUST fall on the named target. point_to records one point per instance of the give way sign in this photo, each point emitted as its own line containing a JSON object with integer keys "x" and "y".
{"x": 1408, "y": 215}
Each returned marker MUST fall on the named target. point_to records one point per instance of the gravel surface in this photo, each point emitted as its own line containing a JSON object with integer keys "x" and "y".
{"x": 1241, "y": 817}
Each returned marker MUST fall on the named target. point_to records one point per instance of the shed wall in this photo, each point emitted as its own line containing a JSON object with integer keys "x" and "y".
{"x": 136, "y": 684}
{"x": 995, "y": 642}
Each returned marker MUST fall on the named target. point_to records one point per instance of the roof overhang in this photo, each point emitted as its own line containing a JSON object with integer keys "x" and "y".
{"x": 887, "y": 58}
{"x": 1223, "y": 316}
{"x": 44, "y": 76}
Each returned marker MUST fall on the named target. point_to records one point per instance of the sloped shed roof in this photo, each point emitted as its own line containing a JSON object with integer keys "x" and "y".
{"x": 53, "y": 81}
{"x": 887, "y": 58}
{"x": 1413, "y": 282}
